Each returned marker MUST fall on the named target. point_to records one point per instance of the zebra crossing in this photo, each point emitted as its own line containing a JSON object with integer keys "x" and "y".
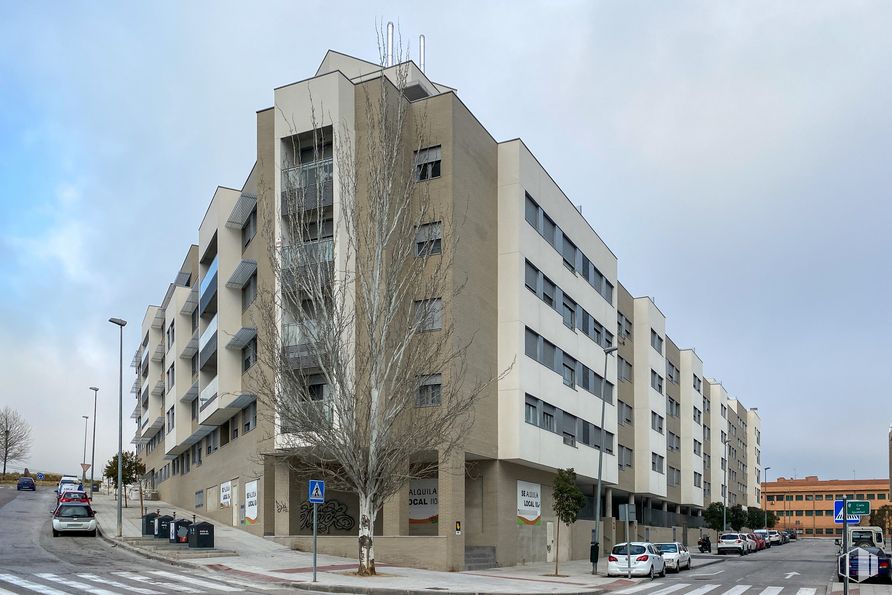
{"x": 148, "y": 582}
{"x": 660, "y": 588}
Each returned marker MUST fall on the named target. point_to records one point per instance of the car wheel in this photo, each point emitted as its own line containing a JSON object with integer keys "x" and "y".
{"x": 742, "y": 553}
{"x": 663, "y": 572}
{"x": 651, "y": 573}
{"x": 93, "y": 533}
{"x": 690, "y": 561}
{"x": 55, "y": 533}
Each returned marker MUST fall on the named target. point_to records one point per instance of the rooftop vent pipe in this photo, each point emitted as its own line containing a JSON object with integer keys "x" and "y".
{"x": 389, "y": 56}
{"x": 421, "y": 52}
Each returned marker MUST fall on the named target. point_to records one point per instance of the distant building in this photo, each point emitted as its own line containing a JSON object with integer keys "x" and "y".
{"x": 807, "y": 504}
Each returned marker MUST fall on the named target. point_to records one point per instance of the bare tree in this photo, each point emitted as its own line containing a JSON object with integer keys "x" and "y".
{"x": 367, "y": 378}
{"x": 15, "y": 437}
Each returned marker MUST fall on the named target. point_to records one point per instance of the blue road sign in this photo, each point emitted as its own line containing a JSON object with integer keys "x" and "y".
{"x": 40, "y": 476}
{"x": 317, "y": 491}
{"x": 837, "y": 513}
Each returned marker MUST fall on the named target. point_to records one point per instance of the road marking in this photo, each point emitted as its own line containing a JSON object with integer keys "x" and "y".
{"x": 26, "y": 584}
{"x": 737, "y": 590}
{"x": 144, "y": 579}
{"x": 111, "y": 583}
{"x": 708, "y": 573}
{"x": 670, "y": 589}
{"x": 772, "y": 590}
{"x": 48, "y": 576}
{"x": 635, "y": 589}
{"x": 247, "y": 584}
{"x": 702, "y": 590}
{"x": 791, "y": 574}
{"x": 806, "y": 592}
{"x": 195, "y": 581}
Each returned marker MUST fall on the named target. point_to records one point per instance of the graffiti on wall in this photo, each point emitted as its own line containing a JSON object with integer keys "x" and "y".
{"x": 333, "y": 515}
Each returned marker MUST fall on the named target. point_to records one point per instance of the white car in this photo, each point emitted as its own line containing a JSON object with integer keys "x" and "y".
{"x": 74, "y": 517}
{"x": 734, "y": 543}
{"x": 675, "y": 555}
{"x": 642, "y": 557}
{"x": 775, "y": 538}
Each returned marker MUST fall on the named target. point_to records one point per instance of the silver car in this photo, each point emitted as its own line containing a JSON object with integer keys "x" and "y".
{"x": 639, "y": 557}
{"x": 734, "y": 543}
{"x": 74, "y": 517}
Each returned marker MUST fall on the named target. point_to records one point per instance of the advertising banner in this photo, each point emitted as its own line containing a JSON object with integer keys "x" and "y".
{"x": 529, "y": 503}
{"x": 423, "y": 502}
{"x": 251, "y": 502}
{"x": 225, "y": 494}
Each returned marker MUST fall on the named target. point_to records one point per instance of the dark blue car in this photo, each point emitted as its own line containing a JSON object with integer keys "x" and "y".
{"x": 26, "y": 483}
{"x": 883, "y": 568}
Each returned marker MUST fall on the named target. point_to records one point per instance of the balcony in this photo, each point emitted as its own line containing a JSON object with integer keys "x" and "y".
{"x": 135, "y": 388}
{"x": 136, "y": 411}
{"x": 191, "y": 302}
{"x": 308, "y": 253}
{"x": 208, "y": 394}
{"x": 316, "y": 413}
{"x": 299, "y": 343}
{"x": 307, "y": 186}
{"x": 241, "y": 210}
{"x": 191, "y": 392}
{"x": 208, "y": 289}
{"x": 158, "y": 389}
{"x": 242, "y": 274}
{"x": 191, "y": 347}
{"x": 158, "y": 321}
{"x": 207, "y": 344}
{"x": 158, "y": 352}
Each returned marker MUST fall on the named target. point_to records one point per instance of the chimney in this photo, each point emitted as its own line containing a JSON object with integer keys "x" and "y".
{"x": 421, "y": 52}
{"x": 388, "y": 60}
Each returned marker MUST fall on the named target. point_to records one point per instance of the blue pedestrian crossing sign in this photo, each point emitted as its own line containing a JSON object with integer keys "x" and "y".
{"x": 317, "y": 491}
{"x": 837, "y": 513}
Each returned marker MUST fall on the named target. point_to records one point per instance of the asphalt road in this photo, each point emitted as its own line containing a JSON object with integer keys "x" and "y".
{"x": 802, "y": 567}
{"x": 33, "y": 561}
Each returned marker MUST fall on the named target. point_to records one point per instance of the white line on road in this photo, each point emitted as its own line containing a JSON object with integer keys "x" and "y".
{"x": 635, "y": 589}
{"x": 738, "y": 590}
{"x": 144, "y": 579}
{"x": 772, "y": 591}
{"x": 111, "y": 583}
{"x": 195, "y": 581}
{"x": 708, "y": 573}
{"x": 806, "y": 592}
{"x": 702, "y": 590}
{"x": 670, "y": 589}
{"x": 26, "y": 584}
{"x": 48, "y": 576}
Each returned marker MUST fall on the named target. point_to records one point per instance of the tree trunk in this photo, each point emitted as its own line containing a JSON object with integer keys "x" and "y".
{"x": 557, "y": 546}
{"x": 366, "y": 533}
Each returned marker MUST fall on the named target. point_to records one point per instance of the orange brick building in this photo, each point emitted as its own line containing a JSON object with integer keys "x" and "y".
{"x": 807, "y": 504}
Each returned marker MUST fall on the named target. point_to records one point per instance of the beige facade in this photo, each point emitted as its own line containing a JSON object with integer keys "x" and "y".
{"x": 540, "y": 291}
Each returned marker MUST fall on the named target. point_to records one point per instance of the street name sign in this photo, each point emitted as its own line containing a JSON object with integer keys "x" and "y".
{"x": 861, "y": 507}
{"x": 852, "y": 517}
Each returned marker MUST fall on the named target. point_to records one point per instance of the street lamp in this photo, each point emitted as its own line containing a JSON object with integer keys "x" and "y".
{"x": 83, "y": 470}
{"x": 121, "y": 324}
{"x": 93, "y": 456}
{"x": 597, "y": 544}
{"x": 725, "y": 506}
{"x": 765, "y": 483}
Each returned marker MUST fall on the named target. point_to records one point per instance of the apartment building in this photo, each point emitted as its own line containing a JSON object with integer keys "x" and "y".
{"x": 540, "y": 298}
{"x": 806, "y": 504}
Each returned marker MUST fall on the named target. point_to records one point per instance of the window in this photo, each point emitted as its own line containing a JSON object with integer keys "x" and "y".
{"x": 568, "y": 371}
{"x": 724, "y": 411}
{"x": 195, "y": 409}
{"x": 429, "y": 314}
{"x": 531, "y": 277}
{"x": 428, "y": 239}
{"x": 250, "y": 228}
{"x": 656, "y": 341}
{"x": 819, "y": 496}
{"x": 249, "y": 354}
{"x": 698, "y": 384}
{"x": 548, "y": 229}
{"x": 531, "y": 212}
{"x": 799, "y": 497}
{"x": 656, "y": 421}
{"x": 698, "y": 416}
{"x": 233, "y": 424}
{"x": 809, "y": 498}
{"x": 170, "y": 419}
{"x": 624, "y": 413}
{"x": 656, "y": 382}
{"x": 429, "y": 392}
{"x": 673, "y": 408}
{"x": 673, "y": 441}
{"x": 531, "y": 413}
{"x": 569, "y": 312}
{"x": 624, "y": 457}
{"x": 249, "y": 418}
{"x": 698, "y": 447}
{"x": 548, "y": 420}
{"x": 199, "y": 499}
{"x": 871, "y": 496}
{"x": 623, "y": 369}
{"x": 249, "y": 292}
{"x": 225, "y": 433}
{"x": 427, "y": 163}
{"x": 170, "y": 334}
{"x": 171, "y": 376}
{"x": 569, "y": 254}
{"x": 656, "y": 462}
{"x": 698, "y": 479}
{"x": 673, "y": 477}
{"x": 213, "y": 441}
{"x": 707, "y": 433}
{"x": 623, "y": 326}
{"x": 549, "y": 290}
{"x": 672, "y": 372}
{"x": 531, "y": 344}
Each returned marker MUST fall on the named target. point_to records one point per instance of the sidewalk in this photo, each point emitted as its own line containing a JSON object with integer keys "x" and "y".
{"x": 261, "y": 559}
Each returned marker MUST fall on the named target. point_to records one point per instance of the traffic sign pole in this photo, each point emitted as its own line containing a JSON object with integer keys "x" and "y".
{"x": 316, "y": 493}
{"x": 845, "y": 544}
{"x": 315, "y": 523}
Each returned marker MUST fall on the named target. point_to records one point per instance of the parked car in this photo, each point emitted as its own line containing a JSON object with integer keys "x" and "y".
{"x": 675, "y": 555}
{"x": 26, "y": 483}
{"x": 765, "y": 535}
{"x": 73, "y": 517}
{"x": 751, "y": 542}
{"x": 645, "y": 560}
{"x": 791, "y": 533}
{"x": 785, "y": 536}
{"x": 68, "y": 482}
{"x": 74, "y": 496}
{"x": 884, "y": 564}
{"x": 775, "y": 537}
{"x": 733, "y": 543}
{"x": 760, "y": 541}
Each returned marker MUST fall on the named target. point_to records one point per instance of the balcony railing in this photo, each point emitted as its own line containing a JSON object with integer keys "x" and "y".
{"x": 317, "y": 413}
{"x": 209, "y": 332}
{"x": 208, "y": 393}
{"x": 208, "y": 277}
{"x": 307, "y": 253}
{"x": 296, "y": 334}
{"x": 307, "y": 186}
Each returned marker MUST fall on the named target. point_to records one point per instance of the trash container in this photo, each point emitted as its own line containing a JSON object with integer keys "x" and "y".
{"x": 148, "y": 523}
{"x": 201, "y": 535}
{"x": 179, "y": 531}
{"x": 162, "y": 526}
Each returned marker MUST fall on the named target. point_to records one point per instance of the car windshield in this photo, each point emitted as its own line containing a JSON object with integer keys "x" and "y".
{"x": 668, "y": 548}
{"x": 730, "y": 537}
{"x": 621, "y": 549}
{"x": 74, "y": 511}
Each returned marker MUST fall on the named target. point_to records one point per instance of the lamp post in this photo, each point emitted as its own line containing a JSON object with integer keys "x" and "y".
{"x": 597, "y": 544}
{"x": 84, "y": 460}
{"x": 121, "y": 324}
{"x": 725, "y": 495}
{"x": 93, "y": 456}
{"x": 764, "y": 484}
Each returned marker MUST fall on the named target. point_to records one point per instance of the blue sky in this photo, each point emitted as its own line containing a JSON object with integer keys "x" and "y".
{"x": 734, "y": 155}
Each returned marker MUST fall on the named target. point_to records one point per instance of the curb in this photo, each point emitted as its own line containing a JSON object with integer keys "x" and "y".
{"x": 395, "y": 591}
